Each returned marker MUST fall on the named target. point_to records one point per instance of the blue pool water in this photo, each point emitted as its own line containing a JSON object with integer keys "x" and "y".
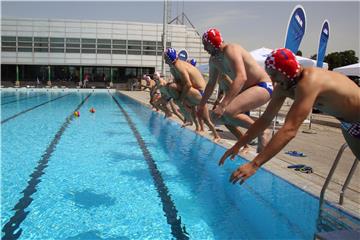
{"x": 124, "y": 172}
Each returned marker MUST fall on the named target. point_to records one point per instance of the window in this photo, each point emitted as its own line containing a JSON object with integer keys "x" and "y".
{"x": 8, "y": 44}
{"x": 104, "y": 41}
{"x": 25, "y": 39}
{"x": 25, "y": 44}
{"x": 56, "y": 40}
{"x": 119, "y": 42}
{"x": 40, "y": 49}
{"x": 134, "y": 42}
{"x": 134, "y": 47}
{"x": 22, "y": 49}
{"x": 57, "y": 50}
{"x": 36, "y": 44}
{"x": 103, "y": 46}
{"x": 41, "y": 44}
{"x": 88, "y": 45}
{"x": 41, "y": 39}
{"x": 73, "y": 40}
{"x": 104, "y": 51}
{"x": 149, "y": 43}
{"x": 72, "y": 45}
{"x": 8, "y": 49}
{"x": 134, "y": 52}
{"x": 119, "y": 52}
{"x": 149, "y": 53}
{"x": 8, "y": 39}
{"x": 72, "y": 50}
{"x": 57, "y": 45}
{"x": 88, "y": 51}
{"x": 88, "y": 40}
{"x": 149, "y": 48}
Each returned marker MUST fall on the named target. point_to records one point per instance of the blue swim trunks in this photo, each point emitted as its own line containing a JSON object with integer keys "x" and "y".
{"x": 267, "y": 85}
{"x": 201, "y": 92}
{"x": 353, "y": 129}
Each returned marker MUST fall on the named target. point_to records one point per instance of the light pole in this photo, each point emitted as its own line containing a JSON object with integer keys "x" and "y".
{"x": 164, "y": 36}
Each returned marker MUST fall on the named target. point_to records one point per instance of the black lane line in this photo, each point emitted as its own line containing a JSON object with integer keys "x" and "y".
{"x": 21, "y": 99}
{"x": 11, "y": 229}
{"x": 7, "y": 96}
{"x": 32, "y": 108}
{"x": 168, "y": 205}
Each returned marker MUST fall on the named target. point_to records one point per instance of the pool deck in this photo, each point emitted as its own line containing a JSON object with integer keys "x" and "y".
{"x": 321, "y": 149}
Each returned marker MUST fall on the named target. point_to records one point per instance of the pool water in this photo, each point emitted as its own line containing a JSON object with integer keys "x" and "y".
{"x": 125, "y": 172}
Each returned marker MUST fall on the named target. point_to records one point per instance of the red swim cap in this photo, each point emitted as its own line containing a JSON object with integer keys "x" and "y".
{"x": 213, "y": 37}
{"x": 284, "y": 61}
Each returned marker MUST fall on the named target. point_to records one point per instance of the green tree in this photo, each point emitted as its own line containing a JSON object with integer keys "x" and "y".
{"x": 339, "y": 59}
{"x": 299, "y": 53}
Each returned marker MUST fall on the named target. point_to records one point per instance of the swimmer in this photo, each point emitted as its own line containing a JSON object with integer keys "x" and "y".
{"x": 190, "y": 87}
{"x": 250, "y": 86}
{"x": 328, "y": 91}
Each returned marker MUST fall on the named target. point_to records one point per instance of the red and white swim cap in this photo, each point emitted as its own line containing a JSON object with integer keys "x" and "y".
{"x": 213, "y": 37}
{"x": 146, "y": 77}
{"x": 284, "y": 61}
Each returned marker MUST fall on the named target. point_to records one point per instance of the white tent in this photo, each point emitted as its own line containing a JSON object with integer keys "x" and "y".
{"x": 260, "y": 55}
{"x": 349, "y": 70}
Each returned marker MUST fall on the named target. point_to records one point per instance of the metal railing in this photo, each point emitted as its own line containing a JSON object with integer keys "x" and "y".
{"x": 331, "y": 173}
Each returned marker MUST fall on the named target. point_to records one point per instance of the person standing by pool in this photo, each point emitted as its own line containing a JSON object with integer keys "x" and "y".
{"x": 330, "y": 92}
{"x": 190, "y": 86}
{"x": 250, "y": 87}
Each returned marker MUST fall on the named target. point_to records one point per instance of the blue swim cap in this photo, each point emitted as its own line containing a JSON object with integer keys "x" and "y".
{"x": 193, "y": 62}
{"x": 171, "y": 54}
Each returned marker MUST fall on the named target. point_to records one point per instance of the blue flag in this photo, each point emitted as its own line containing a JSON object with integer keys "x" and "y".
{"x": 296, "y": 29}
{"x": 324, "y": 36}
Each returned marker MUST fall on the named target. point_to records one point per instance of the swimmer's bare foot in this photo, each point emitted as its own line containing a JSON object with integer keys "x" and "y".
{"x": 185, "y": 124}
{"x": 263, "y": 140}
{"x": 216, "y": 139}
{"x": 245, "y": 149}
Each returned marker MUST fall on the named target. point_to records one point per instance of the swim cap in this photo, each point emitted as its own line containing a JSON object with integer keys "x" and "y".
{"x": 171, "y": 54}
{"x": 213, "y": 37}
{"x": 192, "y": 62}
{"x": 156, "y": 75}
{"x": 146, "y": 77}
{"x": 284, "y": 61}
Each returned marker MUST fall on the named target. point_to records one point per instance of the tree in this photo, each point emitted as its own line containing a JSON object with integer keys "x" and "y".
{"x": 313, "y": 57}
{"x": 339, "y": 59}
{"x": 299, "y": 53}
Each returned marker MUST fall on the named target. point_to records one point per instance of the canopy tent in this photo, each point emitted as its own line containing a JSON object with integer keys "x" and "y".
{"x": 349, "y": 70}
{"x": 260, "y": 55}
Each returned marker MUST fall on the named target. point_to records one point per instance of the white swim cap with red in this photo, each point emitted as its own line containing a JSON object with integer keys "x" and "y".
{"x": 213, "y": 37}
{"x": 284, "y": 61}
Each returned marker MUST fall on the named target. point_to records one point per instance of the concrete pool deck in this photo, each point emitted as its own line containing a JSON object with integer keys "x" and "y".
{"x": 321, "y": 149}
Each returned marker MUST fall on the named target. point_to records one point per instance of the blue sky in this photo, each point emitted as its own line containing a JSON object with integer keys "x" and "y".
{"x": 251, "y": 24}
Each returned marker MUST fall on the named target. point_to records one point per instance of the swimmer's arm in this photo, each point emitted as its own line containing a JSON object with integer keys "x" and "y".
{"x": 298, "y": 112}
{"x": 237, "y": 64}
{"x": 213, "y": 77}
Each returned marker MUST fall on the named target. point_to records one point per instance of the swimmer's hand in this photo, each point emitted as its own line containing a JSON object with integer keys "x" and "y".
{"x": 232, "y": 152}
{"x": 219, "y": 111}
{"x": 243, "y": 172}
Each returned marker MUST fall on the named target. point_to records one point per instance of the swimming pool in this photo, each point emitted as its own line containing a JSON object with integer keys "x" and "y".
{"x": 124, "y": 172}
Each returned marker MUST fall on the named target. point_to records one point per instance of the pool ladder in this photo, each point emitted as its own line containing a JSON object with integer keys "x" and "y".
{"x": 330, "y": 217}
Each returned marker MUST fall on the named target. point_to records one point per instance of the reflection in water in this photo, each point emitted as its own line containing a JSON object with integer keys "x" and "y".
{"x": 94, "y": 235}
{"x": 88, "y": 199}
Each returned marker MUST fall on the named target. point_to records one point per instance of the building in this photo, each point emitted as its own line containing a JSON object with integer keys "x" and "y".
{"x": 67, "y": 51}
